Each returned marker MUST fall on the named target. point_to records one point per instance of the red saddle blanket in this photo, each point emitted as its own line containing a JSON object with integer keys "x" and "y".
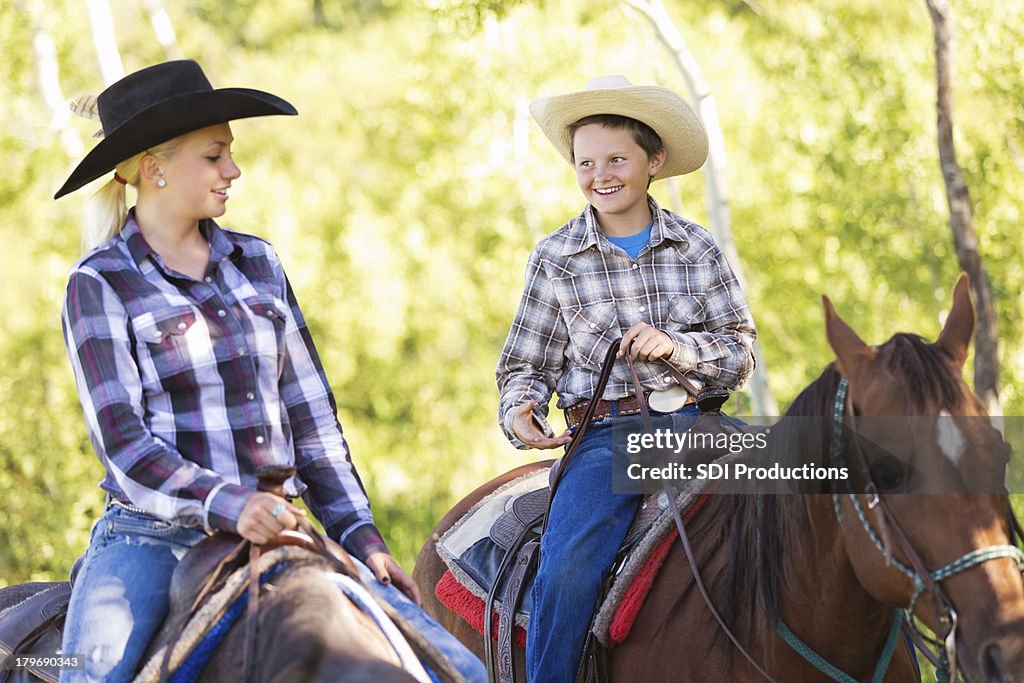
{"x": 458, "y": 599}
{"x": 469, "y": 607}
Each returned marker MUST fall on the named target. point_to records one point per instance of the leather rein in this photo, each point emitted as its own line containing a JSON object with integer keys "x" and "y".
{"x": 685, "y": 539}
{"x": 606, "y": 371}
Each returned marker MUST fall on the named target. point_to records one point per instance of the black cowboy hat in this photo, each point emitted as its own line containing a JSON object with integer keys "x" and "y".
{"x": 159, "y": 103}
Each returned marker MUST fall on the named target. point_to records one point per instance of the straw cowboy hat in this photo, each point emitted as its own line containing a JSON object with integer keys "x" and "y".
{"x": 665, "y": 112}
{"x": 159, "y": 103}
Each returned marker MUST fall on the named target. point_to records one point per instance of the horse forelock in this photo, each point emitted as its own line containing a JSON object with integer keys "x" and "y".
{"x": 929, "y": 380}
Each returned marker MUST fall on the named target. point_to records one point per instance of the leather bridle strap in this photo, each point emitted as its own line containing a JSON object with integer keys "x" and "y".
{"x": 943, "y": 610}
{"x": 602, "y": 382}
{"x": 251, "y": 612}
{"x": 305, "y": 536}
{"x": 577, "y": 438}
{"x": 271, "y": 480}
{"x": 682, "y": 381}
{"x": 685, "y": 540}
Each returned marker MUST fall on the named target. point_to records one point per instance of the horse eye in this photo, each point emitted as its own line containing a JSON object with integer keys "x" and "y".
{"x": 888, "y": 473}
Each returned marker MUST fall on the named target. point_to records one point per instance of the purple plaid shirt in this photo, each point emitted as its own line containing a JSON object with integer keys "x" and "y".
{"x": 189, "y": 386}
{"x": 582, "y": 293}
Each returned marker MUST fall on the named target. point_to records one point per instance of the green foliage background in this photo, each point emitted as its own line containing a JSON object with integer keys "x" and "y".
{"x": 405, "y": 199}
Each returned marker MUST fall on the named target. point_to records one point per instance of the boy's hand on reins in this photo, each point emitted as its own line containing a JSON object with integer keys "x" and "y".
{"x": 528, "y": 431}
{"x": 259, "y": 523}
{"x": 644, "y": 342}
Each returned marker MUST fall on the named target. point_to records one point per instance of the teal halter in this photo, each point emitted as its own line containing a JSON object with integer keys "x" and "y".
{"x": 823, "y": 665}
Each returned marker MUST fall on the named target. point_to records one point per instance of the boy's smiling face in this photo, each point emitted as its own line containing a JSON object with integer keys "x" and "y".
{"x": 613, "y": 172}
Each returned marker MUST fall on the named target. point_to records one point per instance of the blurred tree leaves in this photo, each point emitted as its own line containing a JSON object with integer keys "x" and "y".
{"x": 406, "y": 196}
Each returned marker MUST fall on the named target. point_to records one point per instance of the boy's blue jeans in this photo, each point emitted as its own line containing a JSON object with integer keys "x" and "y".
{"x": 587, "y": 524}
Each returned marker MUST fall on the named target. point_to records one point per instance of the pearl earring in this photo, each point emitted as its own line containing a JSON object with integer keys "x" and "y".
{"x": 160, "y": 182}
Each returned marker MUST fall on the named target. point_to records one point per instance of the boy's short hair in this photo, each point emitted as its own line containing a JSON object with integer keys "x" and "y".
{"x": 644, "y": 136}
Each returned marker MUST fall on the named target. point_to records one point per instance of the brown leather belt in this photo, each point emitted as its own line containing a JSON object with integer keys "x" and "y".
{"x": 625, "y": 406}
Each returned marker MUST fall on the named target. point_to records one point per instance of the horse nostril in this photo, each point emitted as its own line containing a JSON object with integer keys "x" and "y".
{"x": 993, "y": 668}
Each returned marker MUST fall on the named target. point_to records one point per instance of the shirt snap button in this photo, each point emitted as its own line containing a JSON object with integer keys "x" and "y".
{"x": 241, "y": 352}
{"x": 251, "y": 396}
{"x": 182, "y": 326}
{"x": 222, "y": 313}
{"x": 593, "y": 325}
{"x": 259, "y": 439}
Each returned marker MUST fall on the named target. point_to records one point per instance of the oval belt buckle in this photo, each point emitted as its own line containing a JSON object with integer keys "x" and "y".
{"x": 668, "y": 400}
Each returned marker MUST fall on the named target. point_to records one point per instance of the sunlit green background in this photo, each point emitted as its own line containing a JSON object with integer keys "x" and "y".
{"x": 405, "y": 199}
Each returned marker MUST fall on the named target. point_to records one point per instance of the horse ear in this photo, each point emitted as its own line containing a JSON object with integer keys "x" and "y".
{"x": 956, "y": 333}
{"x": 851, "y": 352}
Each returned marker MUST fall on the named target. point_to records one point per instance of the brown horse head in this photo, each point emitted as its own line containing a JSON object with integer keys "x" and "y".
{"x": 910, "y": 398}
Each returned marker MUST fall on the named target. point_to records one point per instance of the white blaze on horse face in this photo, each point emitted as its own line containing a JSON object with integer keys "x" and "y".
{"x": 951, "y": 440}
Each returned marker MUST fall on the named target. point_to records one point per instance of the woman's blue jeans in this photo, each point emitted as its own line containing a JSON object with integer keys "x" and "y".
{"x": 585, "y": 528}
{"x": 467, "y": 663}
{"x": 120, "y": 596}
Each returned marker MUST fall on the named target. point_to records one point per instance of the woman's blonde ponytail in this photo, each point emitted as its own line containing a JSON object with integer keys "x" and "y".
{"x": 107, "y": 211}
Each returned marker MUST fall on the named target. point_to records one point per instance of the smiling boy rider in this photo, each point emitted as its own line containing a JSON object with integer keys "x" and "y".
{"x": 627, "y": 268}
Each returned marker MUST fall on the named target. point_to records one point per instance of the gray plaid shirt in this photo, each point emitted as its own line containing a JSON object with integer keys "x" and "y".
{"x": 582, "y": 293}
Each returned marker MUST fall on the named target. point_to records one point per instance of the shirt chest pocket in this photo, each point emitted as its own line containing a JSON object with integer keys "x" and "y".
{"x": 162, "y": 347}
{"x": 269, "y": 320}
{"x": 592, "y": 329}
{"x": 686, "y": 313}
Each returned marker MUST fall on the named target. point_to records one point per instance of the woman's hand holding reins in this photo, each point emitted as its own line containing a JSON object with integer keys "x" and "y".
{"x": 528, "y": 431}
{"x": 265, "y": 516}
{"x": 644, "y": 342}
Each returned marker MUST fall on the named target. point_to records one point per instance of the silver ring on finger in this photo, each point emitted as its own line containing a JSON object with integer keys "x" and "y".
{"x": 278, "y": 509}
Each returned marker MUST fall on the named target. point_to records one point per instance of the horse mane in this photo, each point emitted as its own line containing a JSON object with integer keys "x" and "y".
{"x": 766, "y": 534}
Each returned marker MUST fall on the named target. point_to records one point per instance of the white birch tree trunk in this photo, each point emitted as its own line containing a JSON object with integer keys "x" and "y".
{"x": 105, "y": 40}
{"x": 714, "y": 172}
{"x": 48, "y": 81}
{"x": 163, "y": 28}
